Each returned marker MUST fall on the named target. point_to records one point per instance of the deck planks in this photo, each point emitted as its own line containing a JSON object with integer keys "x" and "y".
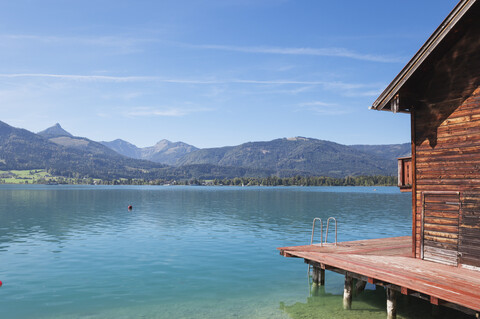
{"x": 389, "y": 260}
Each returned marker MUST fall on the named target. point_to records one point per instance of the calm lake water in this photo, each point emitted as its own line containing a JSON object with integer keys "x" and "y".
{"x": 184, "y": 252}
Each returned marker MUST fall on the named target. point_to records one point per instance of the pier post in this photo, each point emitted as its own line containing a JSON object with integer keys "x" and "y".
{"x": 315, "y": 275}
{"x": 318, "y": 276}
{"x": 391, "y": 304}
{"x": 347, "y": 292}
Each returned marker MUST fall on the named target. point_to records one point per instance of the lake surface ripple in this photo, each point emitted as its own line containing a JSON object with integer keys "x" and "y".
{"x": 182, "y": 252}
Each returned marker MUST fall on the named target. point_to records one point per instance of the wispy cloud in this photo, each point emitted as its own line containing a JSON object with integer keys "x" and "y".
{"x": 369, "y": 93}
{"x": 331, "y": 52}
{"x": 122, "y": 44}
{"x": 105, "y": 40}
{"x": 318, "y": 103}
{"x": 300, "y": 89}
{"x": 163, "y": 111}
{"x": 77, "y": 77}
{"x": 110, "y": 78}
{"x": 128, "y": 44}
{"x": 214, "y": 88}
{"x": 248, "y": 2}
{"x": 323, "y": 108}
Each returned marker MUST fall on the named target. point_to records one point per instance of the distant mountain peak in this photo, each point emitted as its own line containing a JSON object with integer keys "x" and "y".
{"x": 123, "y": 147}
{"x": 164, "y": 151}
{"x": 119, "y": 141}
{"x": 54, "y": 131}
{"x": 162, "y": 144}
{"x": 298, "y": 138}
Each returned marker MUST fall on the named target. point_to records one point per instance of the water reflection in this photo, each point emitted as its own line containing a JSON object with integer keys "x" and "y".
{"x": 78, "y": 252}
{"x": 371, "y": 303}
{"x": 60, "y": 212}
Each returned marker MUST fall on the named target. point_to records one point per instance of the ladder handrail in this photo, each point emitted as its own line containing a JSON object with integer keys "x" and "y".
{"x": 321, "y": 234}
{"x": 321, "y": 230}
{"x": 326, "y": 233}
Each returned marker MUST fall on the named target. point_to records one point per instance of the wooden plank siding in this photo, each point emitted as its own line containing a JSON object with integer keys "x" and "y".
{"x": 450, "y": 164}
{"x": 469, "y": 233}
{"x": 444, "y": 97}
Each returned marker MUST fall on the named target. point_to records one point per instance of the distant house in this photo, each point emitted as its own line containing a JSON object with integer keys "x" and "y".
{"x": 440, "y": 89}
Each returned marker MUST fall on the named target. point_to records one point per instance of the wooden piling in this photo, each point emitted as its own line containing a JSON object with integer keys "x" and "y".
{"x": 318, "y": 276}
{"x": 347, "y": 292}
{"x": 315, "y": 275}
{"x": 387, "y": 262}
{"x": 391, "y": 304}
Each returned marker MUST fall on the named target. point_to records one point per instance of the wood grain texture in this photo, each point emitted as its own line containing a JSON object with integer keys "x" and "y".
{"x": 389, "y": 260}
{"x": 444, "y": 95}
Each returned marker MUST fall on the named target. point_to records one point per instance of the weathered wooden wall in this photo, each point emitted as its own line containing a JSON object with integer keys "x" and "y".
{"x": 469, "y": 233}
{"x": 452, "y": 163}
{"x": 445, "y": 95}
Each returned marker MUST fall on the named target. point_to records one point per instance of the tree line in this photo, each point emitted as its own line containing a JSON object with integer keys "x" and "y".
{"x": 376, "y": 180}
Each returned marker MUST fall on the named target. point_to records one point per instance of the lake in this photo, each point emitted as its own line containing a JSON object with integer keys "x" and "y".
{"x": 184, "y": 252}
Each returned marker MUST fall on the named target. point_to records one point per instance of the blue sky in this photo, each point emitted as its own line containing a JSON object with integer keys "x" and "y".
{"x": 209, "y": 73}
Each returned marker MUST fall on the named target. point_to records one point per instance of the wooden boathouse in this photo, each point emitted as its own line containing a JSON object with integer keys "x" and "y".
{"x": 440, "y": 89}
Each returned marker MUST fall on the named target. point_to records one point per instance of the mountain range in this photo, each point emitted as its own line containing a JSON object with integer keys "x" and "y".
{"x": 64, "y": 154}
{"x": 283, "y": 157}
{"x": 164, "y": 151}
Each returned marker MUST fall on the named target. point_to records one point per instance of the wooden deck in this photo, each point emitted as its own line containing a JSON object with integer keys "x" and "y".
{"x": 388, "y": 262}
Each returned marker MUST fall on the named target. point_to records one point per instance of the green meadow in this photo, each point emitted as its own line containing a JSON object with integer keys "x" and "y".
{"x": 39, "y": 176}
{"x": 24, "y": 176}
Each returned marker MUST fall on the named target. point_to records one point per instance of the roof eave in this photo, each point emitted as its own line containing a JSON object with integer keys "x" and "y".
{"x": 394, "y": 87}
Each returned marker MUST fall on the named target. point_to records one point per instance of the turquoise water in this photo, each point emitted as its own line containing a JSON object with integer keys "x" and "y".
{"x": 182, "y": 252}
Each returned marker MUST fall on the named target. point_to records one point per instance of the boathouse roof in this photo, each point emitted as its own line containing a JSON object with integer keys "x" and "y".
{"x": 447, "y": 33}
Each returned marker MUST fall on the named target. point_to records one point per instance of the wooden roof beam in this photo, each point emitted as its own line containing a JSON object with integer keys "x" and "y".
{"x": 388, "y": 95}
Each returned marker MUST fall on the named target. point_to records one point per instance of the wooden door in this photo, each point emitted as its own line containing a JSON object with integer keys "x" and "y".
{"x": 440, "y": 218}
{"x": 469, "y": 235}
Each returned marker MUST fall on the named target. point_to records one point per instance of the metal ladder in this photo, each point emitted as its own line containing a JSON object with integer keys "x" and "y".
{"x": 321, "y": 230}
{"x": 321, "y": 234}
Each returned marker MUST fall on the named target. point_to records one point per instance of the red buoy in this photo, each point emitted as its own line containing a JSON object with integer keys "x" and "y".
{"x": 130, "y": 207}
{"x": 1, "y": 283}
